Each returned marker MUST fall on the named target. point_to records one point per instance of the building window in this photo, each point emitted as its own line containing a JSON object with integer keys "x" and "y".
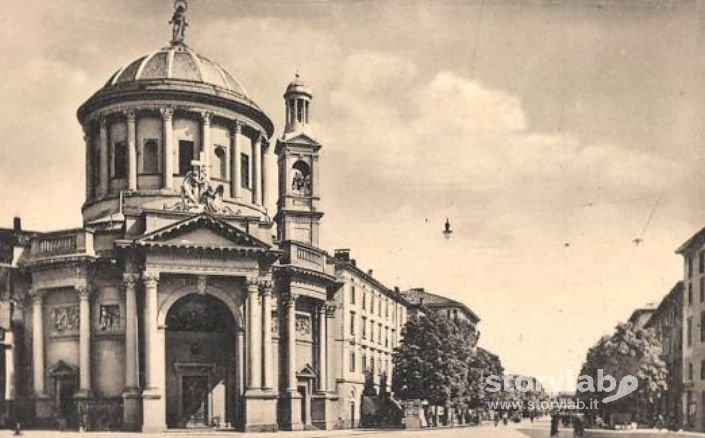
{"x": 245, "y": 171}
{"x": 150, "y": 157}
{"x": 702, "y": 289}
{"x": 379, "y": 306}
{"x": 119, "y": 160}
{"x": 702, "y": 370}
{"x": 702, "y": 326}
{"x": 386, "y": 308}
{"x": 364, "y": 300}
{"x": 372, "y": 365}
{"x": 689, "y": 331}
{"x": 352, "y": 361}
{"x": 352, "y": 323}
{"x": 379, "y": 334}
{"x": 221, "y": 163}
{"x": 690, "y": 371}
{"x": 689, "y": 262}
{"x": 690, "y": 293}
{"x": 185, "y": 156}
{"x": 352, "y": 294}
{"x": 372, "y": 331}
{"x": 364, "y": 360}
{"x": 386, "y": 336}
{"x": 364, "y": 328}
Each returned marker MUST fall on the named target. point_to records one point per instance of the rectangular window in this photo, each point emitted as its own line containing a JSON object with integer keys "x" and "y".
{"x": 245, "y": 171}
{"x": 352, "y": 361}
{"x": 689, "y": 261}
{"x": 689, "y": 331}
{"x": 352, "y": 295}
{"x": 352, "y": 323}
{"x": 364, "y": 361}
{"x": 372, "y": 331}
{"x": 379, "y": 306}
{"x": 690, "y": 371}
{"x": 702, "y": 326}
{"x": 372, "y": 365}
{"x": 150, "y": 156}
{"x": 702, "y": 289}
{"x": 690, "y": 293}
{"x": 119, "y": 160}
{"x": 364, "y": 300}
{"x": 386, "y": 308}
{"x": 364, "y": 328}
{"x": 379, "y": 333}
{"x": 186, "y": 150}
{"x": 702, "y": 370}
{"x": 701, "y": 261}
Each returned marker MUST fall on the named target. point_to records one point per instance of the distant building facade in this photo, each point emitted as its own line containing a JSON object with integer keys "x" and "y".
{"x": 421, "y": 299}
{"x": 693, "y": 397}
{"x": 667, "y": 322}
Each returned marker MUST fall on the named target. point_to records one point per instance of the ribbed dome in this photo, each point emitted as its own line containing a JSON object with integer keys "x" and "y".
{"x": 177, "y": 62}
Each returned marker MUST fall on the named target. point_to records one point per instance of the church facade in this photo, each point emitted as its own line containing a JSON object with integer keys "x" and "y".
{"x": 180, "y": 302}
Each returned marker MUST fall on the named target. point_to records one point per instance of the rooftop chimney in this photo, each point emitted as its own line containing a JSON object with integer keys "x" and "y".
{"x": 370, "y": 272}
{"x": 17, "y": 224}
{"x": 396, "y": 289}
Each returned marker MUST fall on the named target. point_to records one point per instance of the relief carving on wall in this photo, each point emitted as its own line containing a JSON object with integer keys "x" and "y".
{"x": 110, "y": 317}
{"x": 303, "y": 326}
{"x": 275, "y": 323}
{"x": 65, "y": 320}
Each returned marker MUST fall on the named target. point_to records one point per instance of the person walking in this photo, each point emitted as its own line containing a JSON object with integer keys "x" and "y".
{"x": 555, "y": 420}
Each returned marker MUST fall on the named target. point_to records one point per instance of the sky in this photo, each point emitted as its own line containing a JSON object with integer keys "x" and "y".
{"x": 550, "y": 133}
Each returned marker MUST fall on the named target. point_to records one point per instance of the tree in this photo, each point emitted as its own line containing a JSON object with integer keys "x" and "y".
{"x": 369, "y": 388}
{"x": 481, "y": 365}
{"x": 627, "y": 352}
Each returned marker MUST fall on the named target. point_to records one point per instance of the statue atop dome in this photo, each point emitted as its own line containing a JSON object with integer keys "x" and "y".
{"x": 178, "y": 20}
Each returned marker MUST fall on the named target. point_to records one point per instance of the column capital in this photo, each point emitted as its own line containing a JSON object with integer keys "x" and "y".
{"x": 237, "y": 127}
{"x": 206, "y": 117}
{"x": 289, "y": 299}
{"x": 330, "y": 310}
{"x": 130, "y": 114}
{"x": 253, "y": 284}
{"x": 36, "y": 295}
{"x": 167, "y": 113}
{"x": 84, "y": 291}
{"x": 265, "y": 287}
{"x": 150, "y": 278}
{"x": 129, "y": 280}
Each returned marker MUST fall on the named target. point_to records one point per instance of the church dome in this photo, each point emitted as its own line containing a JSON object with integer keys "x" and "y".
{"x": 178, "y": 63}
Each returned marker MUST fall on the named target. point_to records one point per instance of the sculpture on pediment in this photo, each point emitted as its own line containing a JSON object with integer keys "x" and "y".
{"x": 198, "y": 194}
{"x": 301, "y": 179}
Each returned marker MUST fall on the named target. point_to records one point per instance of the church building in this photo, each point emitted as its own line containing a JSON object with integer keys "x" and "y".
{"x": 180, "y": 302}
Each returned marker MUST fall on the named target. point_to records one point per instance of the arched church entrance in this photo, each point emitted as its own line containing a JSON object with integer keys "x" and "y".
{"x": 201, "y": 363}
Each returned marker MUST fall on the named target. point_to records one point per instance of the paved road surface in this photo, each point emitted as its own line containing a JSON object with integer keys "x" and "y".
{"x": 510, "y": 431}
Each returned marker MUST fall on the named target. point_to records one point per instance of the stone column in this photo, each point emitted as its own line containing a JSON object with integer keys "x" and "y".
{"x": 254, "y": 331}
{"x": 151, "y": 282}
{"x": 84, "y": 342}
{"x": 131, "y": 395}
{"x": 267, "y": 334}
{"x": 90, "y": 188}
{"x": 322, "y": 338}
{"x": 154, "y": 407}
{"x": 129, "y": 282}
{"x": 131, "y": 150}
{"x": 257, "y": 175}
{"x": 104, "y": 185}
{"x": 264, "y": 161}
{"x": 206, "y": 138}
{"x": 235, "y": 169}
{"x": 38, "y": 342}
{"x": 9, "y": 365}
{"x": 168, "y": 141}
{"x": 291, "y": 381}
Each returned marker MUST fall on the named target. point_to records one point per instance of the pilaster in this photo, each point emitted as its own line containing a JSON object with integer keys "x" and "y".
{"x": 84, "y": 292}
{"x": 168, "y": 142}
{"x": 153, "y": 401}
{"x": 235, "y": 165}
{"x": 131, "y": 149}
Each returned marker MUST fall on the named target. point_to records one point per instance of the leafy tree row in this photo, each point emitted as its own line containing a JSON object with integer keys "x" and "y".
{"x": 437, "y": 361}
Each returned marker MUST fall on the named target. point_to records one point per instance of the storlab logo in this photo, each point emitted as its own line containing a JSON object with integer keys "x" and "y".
{"x": 605, "y": 384}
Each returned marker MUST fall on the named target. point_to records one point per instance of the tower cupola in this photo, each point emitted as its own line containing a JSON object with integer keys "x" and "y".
{"x": 298, "y": 107}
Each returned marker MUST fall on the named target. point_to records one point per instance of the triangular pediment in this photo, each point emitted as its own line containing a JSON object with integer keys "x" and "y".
{"x": 307, "y": 371}
{"x": 202, "y": 231}
{"x": 300, "y": 138}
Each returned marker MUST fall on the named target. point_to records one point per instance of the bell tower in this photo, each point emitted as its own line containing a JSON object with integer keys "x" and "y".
{"x": 298, "y": 216}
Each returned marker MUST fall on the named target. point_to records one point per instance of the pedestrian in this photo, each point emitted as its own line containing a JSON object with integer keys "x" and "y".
{"x": 577, "y": 425}
{"x": 495, "y": 417}
{"x": 555, "y": 419}
{"x": 505, "y": 418}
